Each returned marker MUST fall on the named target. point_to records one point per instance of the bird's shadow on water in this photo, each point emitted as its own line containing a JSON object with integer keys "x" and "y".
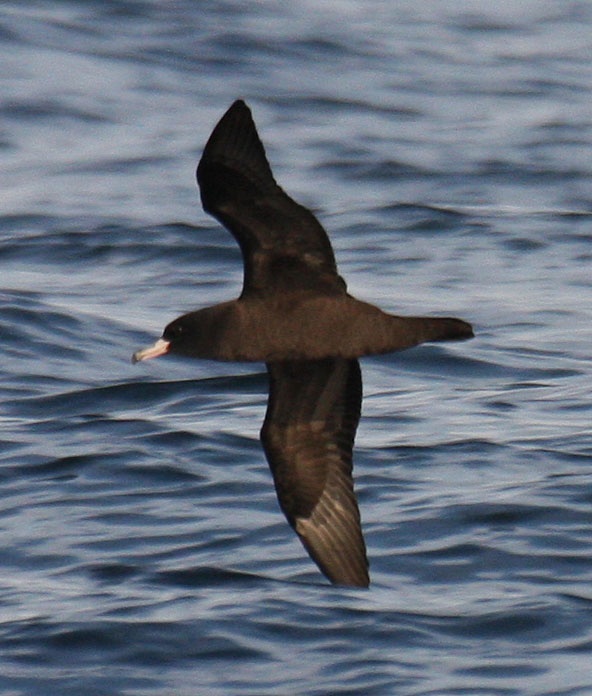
{"x": 215, "y": 577}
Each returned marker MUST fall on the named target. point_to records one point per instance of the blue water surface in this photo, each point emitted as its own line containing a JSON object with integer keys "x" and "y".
{"x": 447, "y": 149}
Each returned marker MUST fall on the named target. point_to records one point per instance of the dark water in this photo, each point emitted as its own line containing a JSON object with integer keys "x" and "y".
{"x": 447, "y": 148}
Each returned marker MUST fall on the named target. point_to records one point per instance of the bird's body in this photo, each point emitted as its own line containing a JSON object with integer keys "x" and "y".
{"x": 301, "y": 326}
{"x": 295, "y": 314}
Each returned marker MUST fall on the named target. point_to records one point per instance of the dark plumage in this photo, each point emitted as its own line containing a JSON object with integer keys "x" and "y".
{"x": 295, "y": 315}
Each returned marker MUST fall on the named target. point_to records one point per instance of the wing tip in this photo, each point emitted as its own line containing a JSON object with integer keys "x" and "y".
{"x": 237, "y": 111}
{"x": 340, "y": 556}
{"x": 239, "y": 105}
{"x": 234, "y": 144}
{"x": 238, "y": 114}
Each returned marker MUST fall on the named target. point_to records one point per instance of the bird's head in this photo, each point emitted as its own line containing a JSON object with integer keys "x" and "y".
{"x": 172, "y": 341}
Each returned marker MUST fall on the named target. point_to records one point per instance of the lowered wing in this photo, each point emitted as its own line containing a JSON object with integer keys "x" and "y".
{"x": 308, "y": 436}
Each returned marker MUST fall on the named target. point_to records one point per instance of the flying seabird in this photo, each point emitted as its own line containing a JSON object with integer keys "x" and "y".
{"x": 294, "y": 314}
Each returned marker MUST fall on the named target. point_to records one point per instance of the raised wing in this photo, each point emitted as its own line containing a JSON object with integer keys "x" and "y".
{"x": 283, "y": 244}
{"x": 308, "y": 436}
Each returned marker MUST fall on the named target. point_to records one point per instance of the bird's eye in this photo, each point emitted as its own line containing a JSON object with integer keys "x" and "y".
{"x": 173, "y": 332}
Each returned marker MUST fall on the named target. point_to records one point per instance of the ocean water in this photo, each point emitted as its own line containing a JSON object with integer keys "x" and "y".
{"x": 447, "y": 148}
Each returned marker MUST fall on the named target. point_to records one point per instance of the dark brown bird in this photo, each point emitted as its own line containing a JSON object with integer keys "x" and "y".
{"x": 294, "y": 314}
